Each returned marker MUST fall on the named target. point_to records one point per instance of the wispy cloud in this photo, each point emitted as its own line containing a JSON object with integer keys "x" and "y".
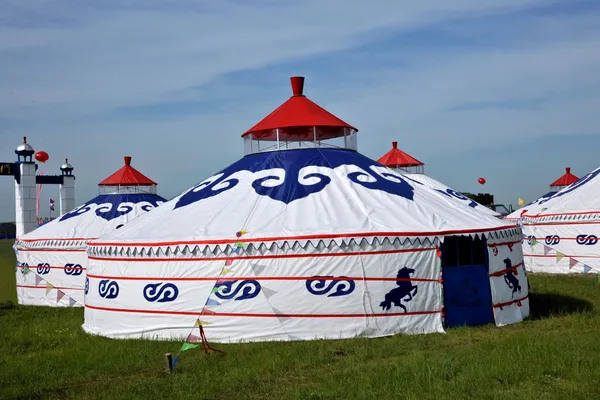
{"x": 175, "y": 83}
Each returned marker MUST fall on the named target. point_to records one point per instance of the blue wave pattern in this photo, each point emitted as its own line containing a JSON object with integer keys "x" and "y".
{"x": 87, "y": 285}
{"x": 108, "y": 289}
{"x": 290, "y": 187}
{"x": 43, "y": 268}
{"x": 73, "y": 269}
{"x": 228, "y": 290}
{"x": 320, "y": 287}
{"x": 160, "y": 293}
{"x": 111, "y": 206}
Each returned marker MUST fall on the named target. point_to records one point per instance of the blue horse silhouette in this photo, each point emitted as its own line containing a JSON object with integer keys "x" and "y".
{"x": 510, "y": 278}
{"x": 405, "y": 288}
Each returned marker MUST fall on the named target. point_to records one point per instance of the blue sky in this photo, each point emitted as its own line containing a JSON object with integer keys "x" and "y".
{"x": 508, "y": 90}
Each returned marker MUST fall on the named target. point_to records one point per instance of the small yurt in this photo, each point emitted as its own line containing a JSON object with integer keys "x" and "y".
{"x": 561, "y": 183}
{"x": 561, "y": 231}
{"x": 304, "y": 238}
{"x": 413, "y": 169}
{"x": 52, "y": 260}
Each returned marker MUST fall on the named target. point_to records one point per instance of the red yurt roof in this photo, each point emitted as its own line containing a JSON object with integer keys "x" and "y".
{"x": 397, "y": 158}
{"x": 298, "y": 119}
{"x": 127, "y": 176}
{"x": 566, "y": 179}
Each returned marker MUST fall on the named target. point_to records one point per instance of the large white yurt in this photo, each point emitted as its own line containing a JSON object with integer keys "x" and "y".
{"x": 55, "y": 252}
{"x": 304, "y": 238}
{"x": 561, "y": 230}
{"x": 413, "y": 169}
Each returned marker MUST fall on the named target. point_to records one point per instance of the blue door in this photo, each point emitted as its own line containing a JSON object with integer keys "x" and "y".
{"x": 467, "y": 294}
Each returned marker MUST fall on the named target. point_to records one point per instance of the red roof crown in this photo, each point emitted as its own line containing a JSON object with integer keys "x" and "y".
{"x": 128, "y": 176}
{"x": 298, "y": 119}
{"x": 566, "y": 179}
{"x": 397, "y": 158}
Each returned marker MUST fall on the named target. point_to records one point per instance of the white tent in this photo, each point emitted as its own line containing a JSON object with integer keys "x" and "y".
{"x": 301, "y": 240}
{"x": 561, "y": 229}
{"x": 51, "y": 260}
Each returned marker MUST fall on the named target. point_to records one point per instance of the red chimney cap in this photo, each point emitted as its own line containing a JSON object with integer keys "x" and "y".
{"x": 394, "y": 145}
{"x": 568, "y": 169}
{"x": 297, "y": 85}
{"x": 127, "y": 160}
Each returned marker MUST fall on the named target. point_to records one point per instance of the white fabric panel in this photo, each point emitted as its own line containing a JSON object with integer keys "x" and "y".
{"x": 50, "y": 267}
{"x": 284, "y": 309}
{"x": 509, "y": 288}
{"x": 337, "y": 209}
{"x": 574, "y": 241}
{"x": 435, "y": 184}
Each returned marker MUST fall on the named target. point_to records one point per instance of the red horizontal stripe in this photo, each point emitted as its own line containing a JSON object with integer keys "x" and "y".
{"x": 307, "y": 237}
{"x": 554, "y": 256}
{"x": 503, "y": 271}
{"x": 275, "y": 256}
{"x": 541, "y": 215}
{"x": 508, "y": 303}
{"x": 216, "y": 314}
{"x": 44, "y": 287}
{"x": 32, "y": 267}
{"x": 263, "y": 278}
{"x": 65, "y": 250}
{"x": 503, "y": 243}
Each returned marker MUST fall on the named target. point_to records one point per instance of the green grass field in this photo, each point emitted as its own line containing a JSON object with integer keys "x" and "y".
{"x": 44, "y": 354}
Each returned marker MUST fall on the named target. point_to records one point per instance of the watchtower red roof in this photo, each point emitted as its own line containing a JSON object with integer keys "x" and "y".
{"x": 396, "y": 158}
{"x": 565, "y": 180}
{"x": 127, "y": 176}
{"x": 299, "y": 119}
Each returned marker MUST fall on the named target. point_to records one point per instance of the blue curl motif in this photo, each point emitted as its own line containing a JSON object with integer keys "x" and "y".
{"x": 73, "y": 269}
{"x": 87, "y": 285}
{"x": 287, "y": 181}
{"x": 108, "y": 289}
{"x": 23, "y": 266}
{"x": 319, "y": 287}
{"x": 157, "y": 292}
{"x": 249, "y": 288}
{"x": 453, "y": 193}
{"x": 111, "y": 206}
{"x": 43, "y": 268}
{"x": 206, "y": 189}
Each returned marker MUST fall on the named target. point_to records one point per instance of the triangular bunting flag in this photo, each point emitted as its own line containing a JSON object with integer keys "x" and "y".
{"x": 187, "y": 346}
{"x": 38, "y": 279}
{"x": 59, "y": 295}
{"x": 199, "y": 323}
{"x": 280, "y": 316}
{"x": 212, "y": 302}
{"x": 215, "y": 289}
{"x": 559, "y": 256}
{"x": 241, "y": 244}
{"x": 207, "y": 312}
{"x": 26, "y": 270}
{"x": 572, "y": 262}
{"x": 175, "y": 361}
{"x": 193, "y": 338}
{"x": 225, "y": 271}
{"x": 71, "y": 302}
{"x": 533, "y": 241}
{"x": 236, "y": 250}
{"x": 228, "y": 262}
{"x": 268, "y": 292}
{"x": 48, "y": 287}
{"x": 587, "y": 269}
{"x": 258, "y": 269}
{"x": 547, "y": 250}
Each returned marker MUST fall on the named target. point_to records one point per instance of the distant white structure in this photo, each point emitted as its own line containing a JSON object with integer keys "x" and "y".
{"x": 67, "y": 188}
{"x": 25, "y": 193}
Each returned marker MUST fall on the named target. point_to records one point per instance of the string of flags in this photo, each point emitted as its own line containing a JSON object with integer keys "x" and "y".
{"x": 559, "y": 256}
{"x": 49, "y": 286}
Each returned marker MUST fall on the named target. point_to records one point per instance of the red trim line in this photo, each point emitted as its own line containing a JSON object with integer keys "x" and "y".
{"x": 32, "y": 267}
{"x": 364, "y": 253}
{"x": 215, "y": 314}
{"x": 503, "y": 271}
{"x": 44, "y": 287}
{"x": 60, "y": 239}
{"x": 508, "y": 303}
{"x": 308, "y": 237}
{"x": 563, "y": 223}
{"x": 263, "y": 278}
{"x": 554, "y": 256}
{"x": 504, "y": 243}
{"x": 541, "y": 215}
{"x": 52, "y": 250}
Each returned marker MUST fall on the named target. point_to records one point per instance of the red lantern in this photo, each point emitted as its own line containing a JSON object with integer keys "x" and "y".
{"x": 481, "y": 181}
{"x": 42, "y": 156}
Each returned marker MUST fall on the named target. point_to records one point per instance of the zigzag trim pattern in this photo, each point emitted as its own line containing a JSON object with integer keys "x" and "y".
{"x": 591, "y": 217}
{"x": 297, "y": 247}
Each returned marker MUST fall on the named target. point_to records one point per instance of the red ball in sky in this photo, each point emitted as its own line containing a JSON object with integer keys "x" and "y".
{"x": 42, "y": 156}
{"x": 481, "y": 181}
